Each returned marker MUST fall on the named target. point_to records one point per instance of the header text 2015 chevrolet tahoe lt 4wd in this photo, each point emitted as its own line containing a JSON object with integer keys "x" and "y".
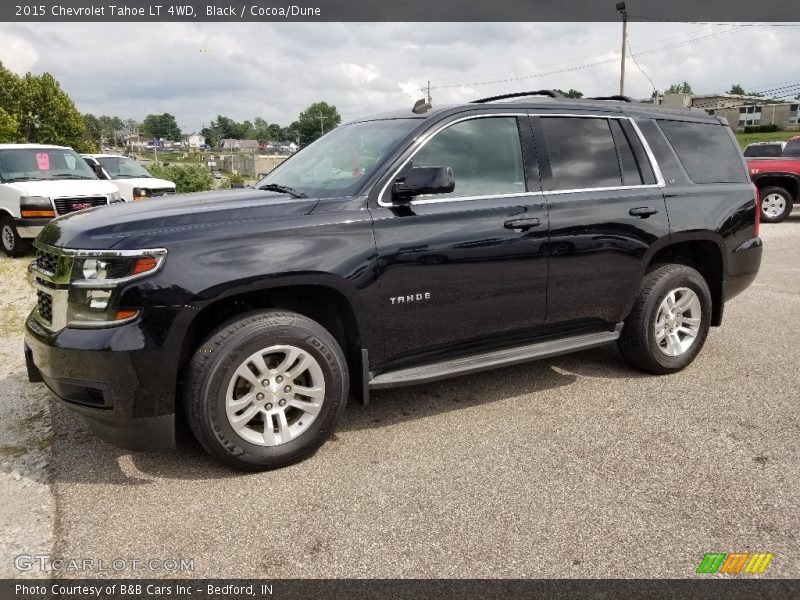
{"x": 396, "y": 250}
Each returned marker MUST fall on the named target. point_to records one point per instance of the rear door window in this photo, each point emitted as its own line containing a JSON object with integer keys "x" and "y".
{"x": 582, "y": 153}
{"x": 706, "y": 151}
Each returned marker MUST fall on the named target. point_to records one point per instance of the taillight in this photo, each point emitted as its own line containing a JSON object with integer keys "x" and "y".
{"x": 757, "y": 231}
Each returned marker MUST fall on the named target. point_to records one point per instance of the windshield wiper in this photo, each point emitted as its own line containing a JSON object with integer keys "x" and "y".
{"x": 69, "y": 176}
{"x": 13, "y": 179}
{"x": 276, "y": 187}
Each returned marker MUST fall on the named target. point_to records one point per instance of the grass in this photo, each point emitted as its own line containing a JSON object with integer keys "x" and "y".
{"x": 776, "y": 136}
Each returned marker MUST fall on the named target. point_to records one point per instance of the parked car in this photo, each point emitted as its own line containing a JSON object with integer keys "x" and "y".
{"x": 778, "y": 181}
{"x": 393, "y": 251}
{"x": 38, "y": 183}
{"x": 132, "y": 179}
{"x": 764, "y": 149}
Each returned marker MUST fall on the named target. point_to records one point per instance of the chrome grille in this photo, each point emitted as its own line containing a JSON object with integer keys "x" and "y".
{"x": 69, "y": 205}
{"x": 46, "y": 261}
{"x": 45, "y": 306}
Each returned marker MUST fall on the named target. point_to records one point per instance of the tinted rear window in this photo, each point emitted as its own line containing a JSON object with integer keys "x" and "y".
{"x": 582, "y": 153}
{"x": 792, "y": 148}
{"x": 770, "y": 150}
{"x": 706, "y": 151}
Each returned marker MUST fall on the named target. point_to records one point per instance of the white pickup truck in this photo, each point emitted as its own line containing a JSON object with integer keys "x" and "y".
{"x": 132, "y": 179}
{"x": 40, "y": 182}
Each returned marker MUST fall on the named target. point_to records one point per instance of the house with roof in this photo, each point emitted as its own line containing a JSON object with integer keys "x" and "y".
{"x": 742, "y": 110}
{"x": 232, "y": 145}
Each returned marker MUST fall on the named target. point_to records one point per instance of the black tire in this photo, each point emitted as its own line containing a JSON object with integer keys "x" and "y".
{"x": 638, "y": 339}
{"x": 771, "y": 216}
{"x": 214, "y": 364}
{"x": 13, "y": 245}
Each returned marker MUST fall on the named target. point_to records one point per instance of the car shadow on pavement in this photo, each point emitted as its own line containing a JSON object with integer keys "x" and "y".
{"x": 393, "y": 406}
{"x": 79, "y": 456}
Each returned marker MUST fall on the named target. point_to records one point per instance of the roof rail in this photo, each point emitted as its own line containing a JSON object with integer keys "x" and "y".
{"x": 616, "y": 97}
{"x": 550, "y": 93}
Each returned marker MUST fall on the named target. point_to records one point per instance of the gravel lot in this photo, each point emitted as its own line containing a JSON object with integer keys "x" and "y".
{"x": 576, "y": 466}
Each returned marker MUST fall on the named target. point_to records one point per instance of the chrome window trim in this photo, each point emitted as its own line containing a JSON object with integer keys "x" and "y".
{"x": 429, "y": 135}
{"x": 425, "y": 138}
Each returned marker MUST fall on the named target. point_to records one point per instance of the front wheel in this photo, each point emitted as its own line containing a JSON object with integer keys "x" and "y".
{"x": 669, "y": 322}
{"x": 776, "y": 204}
{"x": 13, "y": 245}
{"x": 266, "y": 391}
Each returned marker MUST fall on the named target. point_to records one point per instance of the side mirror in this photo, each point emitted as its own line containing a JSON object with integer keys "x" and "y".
{"x": 424, "y": 180}
{"x": 98, "y": 169}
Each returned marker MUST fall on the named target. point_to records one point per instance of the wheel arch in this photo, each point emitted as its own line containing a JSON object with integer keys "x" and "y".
{"x": 703, "y": 254}
{"x": 324, "y": 298}
{"x": 789, "y": 181}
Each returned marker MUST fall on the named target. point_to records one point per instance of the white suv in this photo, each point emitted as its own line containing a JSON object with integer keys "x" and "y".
{"x": 132, "y": 179}
{"x": 40, "y": 182}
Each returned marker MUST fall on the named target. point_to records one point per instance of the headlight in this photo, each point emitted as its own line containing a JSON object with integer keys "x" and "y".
{"x": 114, "y": 197}
{"x": 35, "y": 206}
{"x": 141, "y": 193}
{"x": 96, "y": 277}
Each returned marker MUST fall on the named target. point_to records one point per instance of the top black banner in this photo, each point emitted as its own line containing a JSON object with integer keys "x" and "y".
{"x": 733, "y": 11}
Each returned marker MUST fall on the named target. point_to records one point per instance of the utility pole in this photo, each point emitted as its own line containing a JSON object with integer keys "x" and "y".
{"x": 621, "y": 10}
{"x": 321, "y": 126}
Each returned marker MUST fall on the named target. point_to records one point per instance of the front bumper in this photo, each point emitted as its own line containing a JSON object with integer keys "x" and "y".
{"x": 111, "y": 378}
{"x": 30, "y": 228}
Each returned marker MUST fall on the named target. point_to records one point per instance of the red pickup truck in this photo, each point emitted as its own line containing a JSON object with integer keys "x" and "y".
{"x": 778, "y": 181}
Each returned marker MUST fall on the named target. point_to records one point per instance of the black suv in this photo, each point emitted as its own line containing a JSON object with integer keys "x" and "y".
{"x": 396, "y": 250}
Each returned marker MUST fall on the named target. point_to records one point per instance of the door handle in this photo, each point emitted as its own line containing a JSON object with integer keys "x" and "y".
{"x": 642, "y": 212}
{"x": 521, "y": 224}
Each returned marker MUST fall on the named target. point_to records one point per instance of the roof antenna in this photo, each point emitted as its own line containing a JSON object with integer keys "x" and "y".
{"x": 422, "y": 106}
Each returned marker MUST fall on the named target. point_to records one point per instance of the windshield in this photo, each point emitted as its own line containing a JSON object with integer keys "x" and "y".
{"x": 763, "y": 150}
{"x": 122, "y": 167}
{"x": 792, "y": 148}
{"x": 42, "y": 164}
{"x": 335, "y": 163}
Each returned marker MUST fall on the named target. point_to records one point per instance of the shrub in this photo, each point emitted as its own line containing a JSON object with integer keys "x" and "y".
{"x": 187, "y": 178}
{"x": 770, "y": 128}
{"x": 236, "y": 180}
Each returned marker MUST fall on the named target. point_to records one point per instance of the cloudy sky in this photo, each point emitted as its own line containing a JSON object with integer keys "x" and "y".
{"x": 244, "y": 70}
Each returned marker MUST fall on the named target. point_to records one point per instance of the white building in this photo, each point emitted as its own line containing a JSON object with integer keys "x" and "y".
{"x": 196, "y": 140}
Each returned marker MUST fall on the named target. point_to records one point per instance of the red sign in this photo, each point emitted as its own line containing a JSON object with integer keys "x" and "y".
{"x": 81, "y": 205}
{"x": 43, "y": 161}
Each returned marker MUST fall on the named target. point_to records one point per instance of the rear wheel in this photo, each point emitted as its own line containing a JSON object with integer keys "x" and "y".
{"x": 13, "y": 245}
{"x": 266, "y": 390}
{"x": 776, "y": 204}
{"x": 669, "y": 322}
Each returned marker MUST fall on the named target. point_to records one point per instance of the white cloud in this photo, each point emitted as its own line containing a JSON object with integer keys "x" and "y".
{"x": 17, "y": 54}
{"x": 275, "y": 70}
{"x": 359, "y": 74}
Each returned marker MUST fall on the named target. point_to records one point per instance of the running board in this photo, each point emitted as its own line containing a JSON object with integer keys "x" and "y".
{"x": 493, "y": 360}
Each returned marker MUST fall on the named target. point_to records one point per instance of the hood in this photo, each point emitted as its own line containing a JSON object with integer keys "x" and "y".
{"x": 64, "y": 188}
{"x": 156, "y": 222}
{"x": 150, "y": 183}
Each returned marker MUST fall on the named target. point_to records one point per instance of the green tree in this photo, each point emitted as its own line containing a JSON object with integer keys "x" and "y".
{"x": 8, "y": 127}
{"x": 680, "y": 88}
{"x": 187, "y": 178}
{"x": 737, "y": 89}
{"x": 47, "y": 114}
{"x": 314, "y": 121}
{"x": 162, "y": 126}
{"x": 570, "y": 94}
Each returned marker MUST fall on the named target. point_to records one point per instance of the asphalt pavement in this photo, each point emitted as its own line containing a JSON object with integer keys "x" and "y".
{"x": 577, "y": 466}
